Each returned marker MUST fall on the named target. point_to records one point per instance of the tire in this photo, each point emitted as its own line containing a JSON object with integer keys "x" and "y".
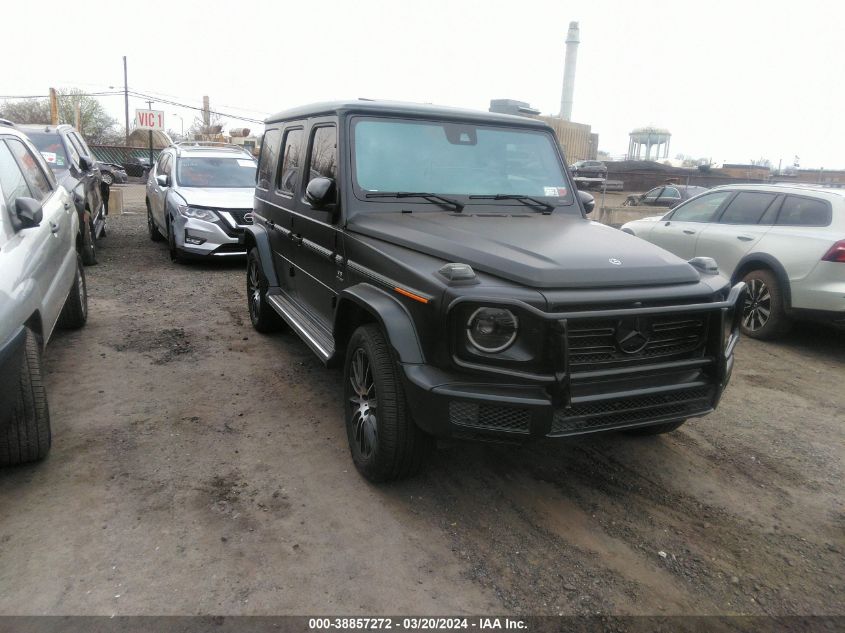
{"x": 655, "y": 429}
{"x": 75, "y": 311}
{"x": 264, "y": 319}
{"x": 107, "y": 178}
{"x": 26, "y": 437}
{"x": 389, "y": 445}
{"x": 763, "y": 313}
{"x": 176, "y": 255}
{"x": 89, "y": 247}
{"x": 152, "y": 229}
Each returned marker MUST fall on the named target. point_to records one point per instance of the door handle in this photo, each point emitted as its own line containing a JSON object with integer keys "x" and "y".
{"x": 689, "y": 231}
{"x": 54, "y": 228}
{"x": 296, "y": 238}
{"x": 744, "y": 238}
{"x": 67, "y": 206}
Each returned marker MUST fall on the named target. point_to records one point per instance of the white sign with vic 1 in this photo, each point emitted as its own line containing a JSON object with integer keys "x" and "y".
{"x": 149, "y": 119}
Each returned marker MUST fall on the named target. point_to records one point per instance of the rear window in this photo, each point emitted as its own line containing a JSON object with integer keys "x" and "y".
{"x": 797, "y": 211}
{"x": 51, "y": 148}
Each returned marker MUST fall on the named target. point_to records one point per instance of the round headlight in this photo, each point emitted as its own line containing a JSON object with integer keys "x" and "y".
{"x": 492, "y": 329}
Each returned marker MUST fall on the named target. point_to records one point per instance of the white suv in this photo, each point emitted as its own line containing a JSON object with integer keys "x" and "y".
{"x": 42, "y": 284}
{"x": 786, "y": 242}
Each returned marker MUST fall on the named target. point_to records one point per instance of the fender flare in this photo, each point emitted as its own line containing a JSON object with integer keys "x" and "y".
{"x": 395, "y": 320}
{"x": 256, "y": 235}
{"x": 766, "y": 261}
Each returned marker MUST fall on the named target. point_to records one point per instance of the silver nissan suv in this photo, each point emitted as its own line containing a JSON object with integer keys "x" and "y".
{"x": 199, "y": 198}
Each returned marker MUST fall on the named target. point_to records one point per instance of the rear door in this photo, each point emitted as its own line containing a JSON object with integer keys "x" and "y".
{"x": 746, "y": 218}
{"x": 315, "y": 237}
{"x": 650, "y": 197}
{"x": 678, "y": 232}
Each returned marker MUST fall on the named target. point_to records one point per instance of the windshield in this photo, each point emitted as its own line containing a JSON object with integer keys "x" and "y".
{"x": 215, "y": 172}
{"x": 456, "y": 159}
{"x": 51, "y": 148}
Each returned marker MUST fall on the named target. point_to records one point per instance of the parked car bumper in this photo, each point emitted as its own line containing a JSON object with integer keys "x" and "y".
{"x": 11, "y": 359}
{"x": 823, "y": 289}
{"x": 120, "y": 177}
{"x": 199, "y": 238}
{"x": 454, "y": 404}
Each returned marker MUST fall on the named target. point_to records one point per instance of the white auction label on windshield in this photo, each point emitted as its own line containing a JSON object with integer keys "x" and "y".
{"x": 50, "y": 157}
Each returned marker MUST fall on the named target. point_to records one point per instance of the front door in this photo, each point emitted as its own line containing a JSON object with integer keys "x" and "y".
{"x": 679, "y": 232}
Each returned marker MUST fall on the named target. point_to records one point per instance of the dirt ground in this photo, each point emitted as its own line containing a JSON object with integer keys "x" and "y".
{"x": 199, "y": 467}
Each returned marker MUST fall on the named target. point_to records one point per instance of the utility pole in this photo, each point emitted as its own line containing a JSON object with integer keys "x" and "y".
{"x": 126, "y": 99}
{"x": 150, "y": 107}
{"x": 54, "y": 107}
{"x": 77, "y": 118}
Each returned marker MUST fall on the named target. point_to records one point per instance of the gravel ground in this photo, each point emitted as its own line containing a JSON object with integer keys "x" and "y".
{"x": 199, "y": 467}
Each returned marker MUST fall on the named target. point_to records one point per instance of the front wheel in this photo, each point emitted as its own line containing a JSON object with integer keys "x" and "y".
{"x": 26, "y": 437}
{"x": 763, "y": 313}
{"x": 384, "y": 441}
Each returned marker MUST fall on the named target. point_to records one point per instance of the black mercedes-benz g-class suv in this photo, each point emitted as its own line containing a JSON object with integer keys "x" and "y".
{"x": 444, "y": 257}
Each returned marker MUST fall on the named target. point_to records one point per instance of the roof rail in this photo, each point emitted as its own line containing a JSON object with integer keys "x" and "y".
{"x": 211, "y": 144}
{"x": 6, "y": 122}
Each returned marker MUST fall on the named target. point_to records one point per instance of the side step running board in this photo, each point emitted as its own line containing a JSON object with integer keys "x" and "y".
{"x": 314, "y": 335}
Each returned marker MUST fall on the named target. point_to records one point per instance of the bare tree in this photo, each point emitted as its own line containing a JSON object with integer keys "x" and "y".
{"x": 26, "y": 111}
{"x": 94, "y": 122}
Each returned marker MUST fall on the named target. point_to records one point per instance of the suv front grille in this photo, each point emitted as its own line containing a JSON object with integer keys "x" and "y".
{"x": 489, "y": 416}
{"x": 627, "y": 411}
{"x": 599, "y": 343}
{"x": 239, "y": 215}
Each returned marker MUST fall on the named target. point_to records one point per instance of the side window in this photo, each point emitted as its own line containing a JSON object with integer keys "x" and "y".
{"x": 291, "y": 161}
{"x": 670, "y": 193}
{"x": 701, "y": 209}
{"x": 72, "y": 152}
{"x": 83, "y": 146}
{"x": 323, "y": 153}
{"x": 37, "y": 180}
{"x": 804, "y": 212}
{"x": 165, "y": 165}
{"x": 747, "y": 208}
{"x": 267, "y": 159}
{"x": 651, "y": 196}
{"x": 11, "y": 178}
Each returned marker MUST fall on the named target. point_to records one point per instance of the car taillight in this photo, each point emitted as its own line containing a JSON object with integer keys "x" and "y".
{"x": 836, "y": 253}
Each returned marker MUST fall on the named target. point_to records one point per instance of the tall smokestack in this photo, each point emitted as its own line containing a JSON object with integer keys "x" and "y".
{"x": 566, "y": 96}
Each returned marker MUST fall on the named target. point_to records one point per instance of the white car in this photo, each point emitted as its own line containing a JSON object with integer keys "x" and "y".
{"x": 786, "y": 242}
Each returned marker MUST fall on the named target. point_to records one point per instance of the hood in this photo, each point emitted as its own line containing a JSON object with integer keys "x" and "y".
{"x": 535, "y": 250}
{"x": 218, "y": 197}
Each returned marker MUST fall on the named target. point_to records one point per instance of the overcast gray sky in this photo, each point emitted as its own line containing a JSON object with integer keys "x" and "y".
{"x": 731, "y": 80}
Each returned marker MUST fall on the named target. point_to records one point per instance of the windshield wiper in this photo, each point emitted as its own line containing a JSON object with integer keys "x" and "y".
{"x": 432, "y": 197}
{"x": 526, "y": 200}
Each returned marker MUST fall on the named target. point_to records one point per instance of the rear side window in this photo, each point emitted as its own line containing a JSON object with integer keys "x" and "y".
{"x": 37, "y": 180}
{"x": 700, "y": 209}
{"x": 267, "y": 159}
{"x": 77, "y": 145}
{"x": 747, "y": 208}
{"x": 670, "y": 193}
{"x": 291, "y": 161}
{"x": 324, "y": 153}
{"x": 11, "y": 178}
{"x": 804, "y": 212}
{"x": 652, "y": 195}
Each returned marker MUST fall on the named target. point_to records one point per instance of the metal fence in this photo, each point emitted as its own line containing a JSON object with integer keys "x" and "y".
{"x": 636, "y": 180}
{"x": 121, "y": 154}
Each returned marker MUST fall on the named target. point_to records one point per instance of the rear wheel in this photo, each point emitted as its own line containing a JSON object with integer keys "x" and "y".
{"x": 26, "y": 437}
{"x": 89, "y": 248}
{"x": 763, "y": 313}
{"x": 384, "y": 441}
{"x": 152, "y": 229}
{"x": 656, "y": 429}
{"x": 108, "y": 179}
{"x": 75, "y": 311}
{"x": 263, "y": 317}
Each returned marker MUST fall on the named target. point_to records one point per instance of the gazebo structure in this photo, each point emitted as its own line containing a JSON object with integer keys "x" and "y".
{"x": 648, "y": 139}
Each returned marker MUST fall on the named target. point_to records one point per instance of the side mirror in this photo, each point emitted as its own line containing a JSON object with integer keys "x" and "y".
{"x": 320, "y": 192}
{"x": 85, "y": 164}
{"x": 163, "y": 180}
{"x": 28, "y": 212}
{"x": 587, "y": 201}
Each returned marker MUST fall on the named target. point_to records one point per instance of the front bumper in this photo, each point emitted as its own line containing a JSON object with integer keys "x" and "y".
{"x": 216, "y": 239}
{"x": 483, "y": 405}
